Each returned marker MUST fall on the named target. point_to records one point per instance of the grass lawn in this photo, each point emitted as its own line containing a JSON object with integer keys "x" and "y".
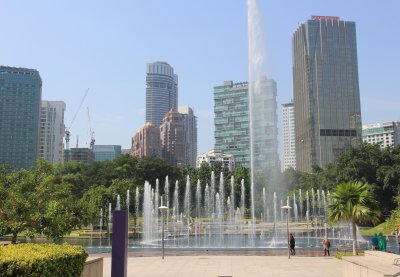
{"x": 381, "y": 228}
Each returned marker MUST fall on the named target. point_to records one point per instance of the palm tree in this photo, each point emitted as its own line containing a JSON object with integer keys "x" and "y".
{"x": 353, "y": 201}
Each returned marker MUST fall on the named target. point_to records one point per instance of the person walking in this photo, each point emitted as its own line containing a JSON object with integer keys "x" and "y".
{"x": 327, "y": 244}
{"x": 292, "y": 244}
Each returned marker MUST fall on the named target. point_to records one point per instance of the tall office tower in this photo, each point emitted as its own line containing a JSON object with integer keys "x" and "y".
{"x": 385, "y": 134}
{"x": 161, "y": 91}
{"x": 326, "y": 92}
{"x": 106, "y": 152}
{"x": 146, "y": 142}
{"x": 232, "y": 136}
{"x": 264, "y": 135}
{"x": 172, "y": 135}
{"x": 190, "y": 135}
{"x": 232, "y": 121}
{"x": 289, "y": 146}
{"x": 20, "y": 101}
{"x": 84, "y": 155}
{"x": 52, "y": 131}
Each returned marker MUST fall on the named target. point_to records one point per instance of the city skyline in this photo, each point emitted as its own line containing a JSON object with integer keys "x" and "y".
{"x": 106, "y": 47}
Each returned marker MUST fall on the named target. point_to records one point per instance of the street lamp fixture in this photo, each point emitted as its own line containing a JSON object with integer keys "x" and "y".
{"x": 162, "y": 210}
{"x": 286, "y": 210}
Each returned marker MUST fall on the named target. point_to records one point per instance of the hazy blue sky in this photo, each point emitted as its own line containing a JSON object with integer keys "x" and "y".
{"x": 105, "y": 45}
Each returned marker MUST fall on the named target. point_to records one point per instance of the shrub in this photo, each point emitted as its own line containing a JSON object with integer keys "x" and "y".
{"x": 42, "y": 260}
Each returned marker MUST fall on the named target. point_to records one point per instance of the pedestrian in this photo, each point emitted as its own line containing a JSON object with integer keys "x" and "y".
{"x": 292, "y": 244}
{"x": 327, "y": 244}
{"x": 375, "y": 242}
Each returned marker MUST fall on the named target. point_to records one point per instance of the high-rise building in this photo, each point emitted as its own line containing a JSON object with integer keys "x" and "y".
{"x": 232, "y": 121}
{"x": 289, "y": 146}
{"x": 146, "y": 142}
{"x": 264, "y": 133}
{"x": 190, "y": 135}
{"x": 20, "y": 101}
{"x": 84, "y": 155}
{"x": 172, "y": 135}
{"x": 232, "y": 133}
{"x": 52, "y": 130}
{"x": 326, "y": 91}
{"x": 161, "y": 91}
{"x": 385, "y": 134}
{"x": 106, "y": 152}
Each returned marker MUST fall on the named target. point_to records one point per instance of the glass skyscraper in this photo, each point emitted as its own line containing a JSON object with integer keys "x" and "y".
{"x": 20, "y": 103}
{"x": 52, "y": 131}
{"x": 231, "y": 109}
{"x": 190, "y": 135}
{"x": 161, "y": 91}
{"x": 326, "y": 91}
{"x": 232, "y": 134}
{"x": 106, "y": 152}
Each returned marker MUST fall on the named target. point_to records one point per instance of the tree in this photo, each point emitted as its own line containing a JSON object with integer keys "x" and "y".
{"x": 35, "y": 202}
{"x": 16, "y": 211}
{"x": 353, "y": 201}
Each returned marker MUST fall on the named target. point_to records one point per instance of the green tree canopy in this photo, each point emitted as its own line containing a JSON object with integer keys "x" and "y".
{"x": 353, "y": 202}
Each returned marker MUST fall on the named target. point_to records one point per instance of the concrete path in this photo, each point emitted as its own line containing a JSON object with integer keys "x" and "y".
{"x": 235, "y": 266}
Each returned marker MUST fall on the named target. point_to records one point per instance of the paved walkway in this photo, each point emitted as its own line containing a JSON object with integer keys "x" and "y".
{"x": 235, "y": 266}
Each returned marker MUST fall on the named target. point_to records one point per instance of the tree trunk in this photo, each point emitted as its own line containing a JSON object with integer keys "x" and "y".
{"x": 354, "y": 230}
{"x": 14, "y": 238}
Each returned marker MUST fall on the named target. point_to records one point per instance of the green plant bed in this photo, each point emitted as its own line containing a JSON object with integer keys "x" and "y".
{"x": 341, "y": 255}
{"x": 41, "y": 260}
{"x": 383, "y": 228}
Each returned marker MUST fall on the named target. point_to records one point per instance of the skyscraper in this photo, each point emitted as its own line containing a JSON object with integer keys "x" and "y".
{"x": 146, "y": 142}
{"x": 232, "y": 121}
{"x": 232, "y": 135}
{"x": 20, "y": 101}
{"x": 326, "y": 91}
{"x": 190, "y": 135}
{"x": 289, "y": 146}
{"x": 172, "y": 135}
{"x": 161, "y": 91}
{"x": 52, "y": 130}
{"x": 106, "y": 152}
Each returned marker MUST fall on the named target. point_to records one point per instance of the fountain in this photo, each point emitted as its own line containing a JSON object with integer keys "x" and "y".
{"x": 210, "y": 217}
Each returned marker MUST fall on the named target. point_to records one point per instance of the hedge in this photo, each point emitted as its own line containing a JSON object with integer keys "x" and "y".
{"x": 42, "y": 260}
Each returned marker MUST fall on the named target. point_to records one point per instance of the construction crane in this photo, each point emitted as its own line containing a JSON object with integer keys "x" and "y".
{"x": 92, "y": 140}
{"x": 67, "y": 129}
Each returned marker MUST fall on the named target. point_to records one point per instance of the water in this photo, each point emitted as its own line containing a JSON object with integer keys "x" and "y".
{"x": 213, "y": 219}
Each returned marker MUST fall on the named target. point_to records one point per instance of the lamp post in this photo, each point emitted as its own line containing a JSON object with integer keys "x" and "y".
{"x": 286, "y": 210}
{"x": 162, "y": 209}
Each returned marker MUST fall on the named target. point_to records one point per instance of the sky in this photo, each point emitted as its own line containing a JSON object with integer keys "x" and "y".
{"x": 105, "y": 45}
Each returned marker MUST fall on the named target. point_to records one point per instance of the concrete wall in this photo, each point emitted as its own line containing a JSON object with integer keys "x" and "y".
{"x": 373, "y": 264}
{"x": 93, "y": 267}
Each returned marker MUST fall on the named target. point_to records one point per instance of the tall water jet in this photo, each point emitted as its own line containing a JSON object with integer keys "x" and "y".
{"x": 233, "y": 192}
{"x": 296, "y": 219}
{"x": 212, "y": 194}
{"x": 176, "y": 202}
{"x": 207, "y": 205}
{"x": 128, "y": 200}
{"x": 222, "y": 193}
{"x": 166, "y": 193}
{"x": 301, "y": 205}
{"x": 137, "y": 201}
{"x": 242, "y": 197}
{"x": 148, "y": 214}
{"x": 262, "y": 111}
{"x": 118, "y": 205}
{"x": 198, "y": 199}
